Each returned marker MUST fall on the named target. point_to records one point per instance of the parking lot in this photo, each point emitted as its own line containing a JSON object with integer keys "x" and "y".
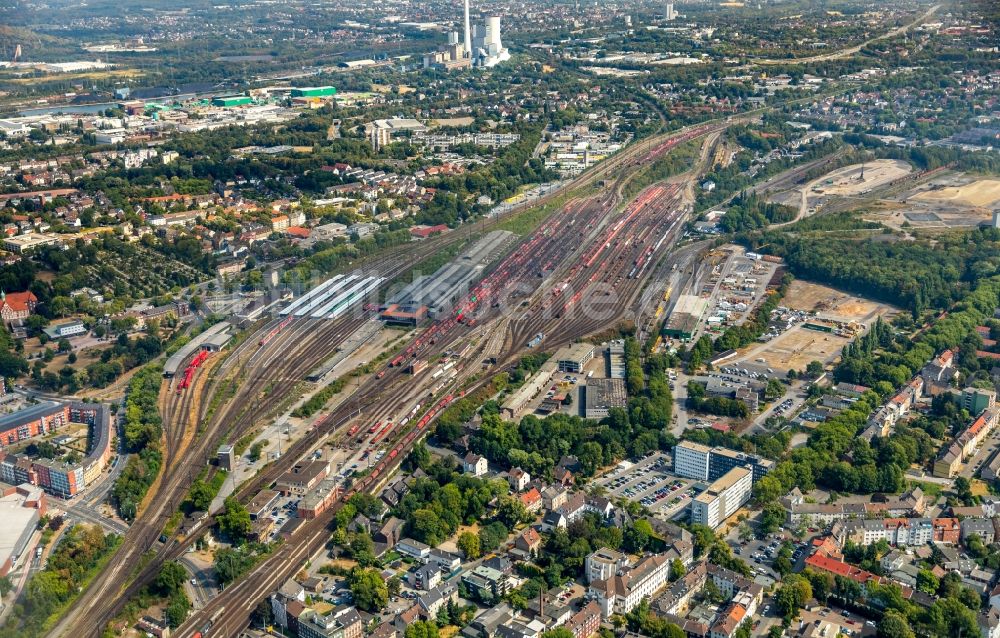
{"x": 650, "y": 483}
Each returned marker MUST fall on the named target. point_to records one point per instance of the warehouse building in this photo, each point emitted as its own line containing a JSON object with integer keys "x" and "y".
{"x": 616, "y": 359}
{"x": 531, "y": 388}
{"x": 231, "y": 101}
{"x": 314, "y": 91}
{"x": 603, "y": 395}
{"x": 573, "y": 358}
{"x": 20, "y": 507}
{"x": 722, "y": 498}
{"x": 175, "y": 361}
{"x": 683, "y": 320}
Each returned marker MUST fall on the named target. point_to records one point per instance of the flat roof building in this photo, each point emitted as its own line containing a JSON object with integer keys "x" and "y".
{"x": 20, "y": 508}
{"x": 722, "y": 498}
{"x": 603, "y": 395}
{"x": 572, "y": 358}
{"x": 691, "y": 460}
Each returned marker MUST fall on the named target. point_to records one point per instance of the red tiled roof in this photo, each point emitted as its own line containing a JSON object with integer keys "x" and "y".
{"x": 19, "y": 301}
{"x": 839, "y": 568}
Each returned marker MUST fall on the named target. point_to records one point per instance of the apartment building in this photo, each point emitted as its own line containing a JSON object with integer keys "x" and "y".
{"x": 722, "y": 498}
{"x": 622, "y": 592}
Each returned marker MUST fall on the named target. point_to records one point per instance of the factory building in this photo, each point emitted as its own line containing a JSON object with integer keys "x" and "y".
{"x": 602, "y": 395}
{"x": 487, "y": 50}
{"x": 683, "y": 320}
{"x": 232, "y": 100}
{"x": 314, "y": 91}
{"x": 722, "y": 498}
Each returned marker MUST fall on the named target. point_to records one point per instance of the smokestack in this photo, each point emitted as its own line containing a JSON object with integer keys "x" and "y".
{"x": 468, "y": 32}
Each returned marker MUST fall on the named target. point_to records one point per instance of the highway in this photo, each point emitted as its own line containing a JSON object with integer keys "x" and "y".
{"x": 843, "y": 53}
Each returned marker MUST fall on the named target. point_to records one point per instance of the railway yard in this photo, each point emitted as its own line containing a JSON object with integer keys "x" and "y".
{"x": 580, "y": 272}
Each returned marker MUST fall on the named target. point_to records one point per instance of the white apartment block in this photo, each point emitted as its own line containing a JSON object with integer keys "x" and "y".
{"x": 722, "y": 498}
{"x": 621, "y": 593}
{"x": 603, "y": 564}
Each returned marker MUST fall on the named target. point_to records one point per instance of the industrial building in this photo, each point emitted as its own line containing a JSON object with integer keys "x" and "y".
{"x": 340, "y": 298}
{"x": 20, "y": 507}
{"x": 206, "y": 340}
{"x": 333, "y": 297}
{"x": 573, "y": 358}
{"x": 448, "y": 57}
{"x": 683, "y": 320}
{"x": 616, "y": 359}
{"x": 523, "y": 395}
{"x": 232, "y": 100}
{"x": 722, "y": 498}
{"x": 603, "y": 395}
{"x": 487, "y": 50}
{"x": 435, "y": 295}
{"x": 314, "y": 91}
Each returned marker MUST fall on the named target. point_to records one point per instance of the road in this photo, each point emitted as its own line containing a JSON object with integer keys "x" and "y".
{"x": 843, "y": 53}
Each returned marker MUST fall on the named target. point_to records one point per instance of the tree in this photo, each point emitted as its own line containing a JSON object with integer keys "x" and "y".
{"x": 775, "y": 389}
{"x": 558, "y": 632}
{"x": 814, "y": 369}
{"x": 200, "y": 495}
{"x": 234, "y": 522}
{"x": 894, "y": 625}
{"x": 637, "y": 537}
{"x": 5, "y": 586}
{"x": 771, "y": 518}
{"x": 469, "y": 544}
{"x": 171, "y": 578}
{"x": 255, "y": 451}
{"x": 370, "y": 591}
{"x": 677, "y": 569}
{"x": 177, "y": 609}
{"x": 792, "y": 595}
{"x": 230, "y": 564}
{"x": 927, "y": 582}
{"x": 421, "y": 629}
{"x": 822, "y": 584}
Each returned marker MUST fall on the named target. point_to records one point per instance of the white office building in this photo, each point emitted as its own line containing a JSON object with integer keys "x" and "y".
{"x": 691, "y": 460}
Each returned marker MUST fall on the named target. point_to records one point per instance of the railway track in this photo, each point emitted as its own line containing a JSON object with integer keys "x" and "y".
{"x": 288, "y": 363}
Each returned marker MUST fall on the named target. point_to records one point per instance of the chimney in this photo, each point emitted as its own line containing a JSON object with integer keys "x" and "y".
{"x": 468, "y": 32}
